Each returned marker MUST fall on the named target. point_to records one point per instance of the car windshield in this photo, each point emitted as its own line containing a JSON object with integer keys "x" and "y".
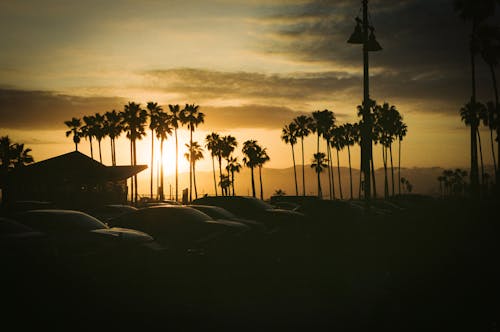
{"x": 60, "y": 221}
{"x": 215, "y": 212}
{"x": 259, "y": 204}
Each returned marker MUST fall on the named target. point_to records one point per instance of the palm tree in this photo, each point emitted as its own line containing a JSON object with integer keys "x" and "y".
{"x": 337, "y": 142}
{"x": 133, "y": 121}
{"x": 349, "y": 140}
{"x": 401, "y": 131}
{"x": 175, "y": 120}
{"x": 470, "y": 116}
{"x": 331, "y": 178}
{"x": 195, "y": 153}
{"x": 5, "y": 153}
{"x": 227, "y": 145}
{"x": 21, "y": 156}
{"x": 74, "y": 126}
{"x": 319, "y": 163}
{"x": 323, "y": 122}
{"x": 163, "y": 129}
{"x": 213, "y": 145}
{"x": 475, "y": 11}
{"x": 303, "y": 124}
{"x": 490, "y": 120}
{"x": 153, "y": 112}
{"x": 262, "y": 158}
{"x": 251, "y": 151}
{"x": 88, "y": 131}
{"x": 289, "y": 136}
{"x": 232, "y": 167}
{"x": 192, "y": 117}
{"x": 99, "y": 131}
{"x": 114, "y": 130}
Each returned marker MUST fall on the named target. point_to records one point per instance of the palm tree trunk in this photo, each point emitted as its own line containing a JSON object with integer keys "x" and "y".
{"x": 374, "y": 189}
{"x": 350, "y": 168}
{"x": 386, "y": 184}
{"x": 340, "y": 178}
{"x": 213, "y": 170}
{"x": 194, "y": 180}
{"x": 392, "y": 169}
{"x": 260, "y": 180}
{"x": 330, "y": 170}
{"x": 497, "y": 108}
{"x": 474, "y": 176}
{"x": 100, "y": 154}
{"x": 232, "y": 181}
{"x": 219, "y": 158}
{"x": 399, "y": 167}
{"x": 360, "y": 181}
{"x": 253, "y": 182}
{"x": 152, "y": 163}
{"x": 493, "y": 151}
{"x": 135, "y": 176}
{"x": 191, "y": 167}
{"x": 481, "y": 156}
{"x": 294, "y": 173}
{"x": 112, "y": 156}
{"x": 131, "y": 178}
{"x": 176, "y": 167}
{"x": 91, "y": 149}
{"x": 319, "y": 185}
{"x": 162, "y": 186}
{"x": 329, "y": 149}
{"x": 303, "y": 174}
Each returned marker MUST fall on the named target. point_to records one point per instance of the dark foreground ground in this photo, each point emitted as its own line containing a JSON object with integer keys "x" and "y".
{"x": 432, "y": 266}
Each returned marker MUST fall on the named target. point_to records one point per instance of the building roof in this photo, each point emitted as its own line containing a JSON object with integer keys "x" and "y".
{"x": 75, "y": 167}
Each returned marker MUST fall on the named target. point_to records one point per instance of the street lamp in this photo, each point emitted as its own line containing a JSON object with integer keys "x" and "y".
{"x": 370, "y": 44}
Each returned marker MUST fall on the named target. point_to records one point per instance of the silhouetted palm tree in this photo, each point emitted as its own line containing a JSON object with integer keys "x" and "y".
{"x": 88, "y": 131}
{"x": 175, "y": 120}
{"x": 289, "y": 136}
{"x": 153, "y": 112}
{"x": 323, "y": 122}
{"x": 133, "y": 121}
{"x": 99, "y": 132}
{"x": 251, "y": 151}
{"x": 195, "y": 153}
{"x": 491, "y": 120}
{"x": 232, "y": 167}
{"x": 475, "y": 11}
{"x": 191, "y": 117}
{"x": 337, "y": 142}
{"x": 213, "y": 145}
{"x": 21, "y": 156}
{"x": 114, "y": 130}
{"x": 303, "y": 123}
{"x": 263, "y": 158}
{"x": 349, "y": 140}
{"x": 163, "y": 129}
{"x": 74, "y": 126}
{"x": 470, "y": 116}
{"x": 319, "y": 163}
{"x": 401, "y": 131}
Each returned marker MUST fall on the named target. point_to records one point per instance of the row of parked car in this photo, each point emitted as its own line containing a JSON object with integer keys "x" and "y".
{"x": 234, "y": 227}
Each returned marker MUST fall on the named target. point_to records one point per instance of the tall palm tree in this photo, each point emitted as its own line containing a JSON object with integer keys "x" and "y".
{"x": 163, "y": 129}
{"x": 228, "y": 144}
{"x": 133, "y": 121}
{"x": 175, "y": 120}
{"x": 289, "y": 136}
{"x": 251, "y": 151}
{"x": 491, "y": 120}
{"x": 153, "y": 112}
{"x": 195, "y": 153}
{"x": 21, "y": 156}
{"x": 476, "y": 11}
{"x": 262, "y": 158}
{"x": 74, "y": 126}
{"x": 319, "y": 163}
{"x": 349, "y": 140}
{"x": 99, "y": 131}
{"x": 213, "y": 145}
{"x": 338, "y": 142}
{"x": 88, "y": 131}
{"x": 401, "y": 131}
{"x": 191, "y": 117}
{"x": 322, "y": 124}
{"x": 232, "y": 167}
{"x": 303, "y": 124}
{"x": 114, "y": 130}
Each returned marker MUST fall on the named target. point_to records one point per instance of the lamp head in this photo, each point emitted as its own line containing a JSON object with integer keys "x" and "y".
{"x": 372, "y": 44}
{"x": 357, "y": 35}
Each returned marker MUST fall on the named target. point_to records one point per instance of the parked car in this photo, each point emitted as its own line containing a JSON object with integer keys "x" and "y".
{"x": 219, "y": 213}
{"x": 182, "y": 228}
{"x": 109, "y": 211}
{"x": 75, "y": 233}
{"x": 258, "y": 210}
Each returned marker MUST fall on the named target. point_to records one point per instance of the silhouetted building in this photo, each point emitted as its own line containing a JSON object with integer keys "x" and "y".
{"x": 70, "y": 180}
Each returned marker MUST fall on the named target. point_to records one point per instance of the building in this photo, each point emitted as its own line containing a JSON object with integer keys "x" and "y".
{"x": 71, "y": 180}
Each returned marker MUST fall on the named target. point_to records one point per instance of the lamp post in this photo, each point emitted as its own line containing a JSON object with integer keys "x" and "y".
{"x": 370, "y": 44}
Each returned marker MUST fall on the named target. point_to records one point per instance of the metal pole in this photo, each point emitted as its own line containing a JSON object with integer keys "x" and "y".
{"x": 366, "y": 140}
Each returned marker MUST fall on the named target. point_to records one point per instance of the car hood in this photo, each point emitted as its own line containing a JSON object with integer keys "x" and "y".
{"x": 125, "y": 234}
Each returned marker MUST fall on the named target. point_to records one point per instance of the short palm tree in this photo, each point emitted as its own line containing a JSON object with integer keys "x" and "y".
{"x": 75, "y": 129}
{"x": 470, "y": 116}
{"x": 251, "y": 151}
{"x": 213, "y": 145}
{"x": 114, "y": 130}
{"x": 191, "y": 117}
{"x": 319, "y": 163}
{"x": 163, "y": 129}
{"x": 303, "y": 124}
{"x": 262, "y": 158}
{"x": 88, "y": 131}
{"x": 349, "y": 140}
{"x": 195, "y": 153}
{"x": 232, "y": 167}
{"x": 99, "y": 131}
{"x": 401, "y": 131}
{"x": 21, "y": 156}
{"x": 337, "y": 142}
{"x": 289, "y": 136}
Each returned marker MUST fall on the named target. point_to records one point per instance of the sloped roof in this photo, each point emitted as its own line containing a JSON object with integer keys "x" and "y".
{"x": 75, "y": 167}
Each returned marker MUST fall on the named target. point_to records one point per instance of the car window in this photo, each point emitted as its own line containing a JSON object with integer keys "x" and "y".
{"x": 48, "y": 221}
{"x": 11, "y": 227}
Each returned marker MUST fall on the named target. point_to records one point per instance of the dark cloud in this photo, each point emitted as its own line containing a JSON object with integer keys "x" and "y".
{"x": 23, "y": 109}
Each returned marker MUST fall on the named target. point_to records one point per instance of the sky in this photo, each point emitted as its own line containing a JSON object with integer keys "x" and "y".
{"x": 251, "y": 66}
